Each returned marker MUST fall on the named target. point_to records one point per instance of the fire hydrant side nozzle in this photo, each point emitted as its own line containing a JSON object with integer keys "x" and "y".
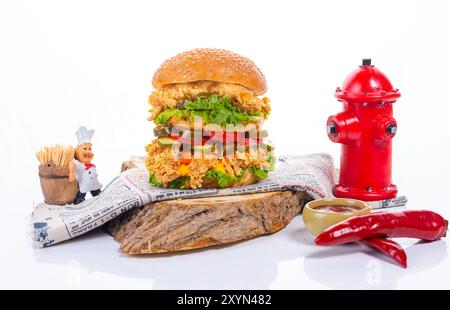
{"x": 365, "y": 130}
{"x": 343, "y": 128}
{"x": 384, "y": 127}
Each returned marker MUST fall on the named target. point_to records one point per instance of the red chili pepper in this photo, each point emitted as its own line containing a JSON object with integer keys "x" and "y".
{"x": 185, "y": 161}
{"x": 388, "y": 247}
{"x": 425, "y": 225}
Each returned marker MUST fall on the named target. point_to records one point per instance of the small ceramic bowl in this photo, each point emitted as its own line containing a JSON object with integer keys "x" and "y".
{"x": 317, "y": 220}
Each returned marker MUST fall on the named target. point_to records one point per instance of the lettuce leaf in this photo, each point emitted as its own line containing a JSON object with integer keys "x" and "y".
{"x": 165, "y": 115}
{"x": 260, "y": 173}
{"x": 222, "y": 178}
{"x": 179, "y": 182}
{"x": 154, "y": 181}
{"x": 225, "y": 179}
{"x": 271, "y": 160}
{"x": 263, "y": 173}
{"x": 213, "y": 109}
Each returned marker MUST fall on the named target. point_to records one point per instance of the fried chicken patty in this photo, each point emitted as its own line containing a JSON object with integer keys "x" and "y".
{"x": 170, "y": 95}
{"x": 166, "y": 167}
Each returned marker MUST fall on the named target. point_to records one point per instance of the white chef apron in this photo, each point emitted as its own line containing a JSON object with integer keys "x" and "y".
{"x": 87, "y": 178}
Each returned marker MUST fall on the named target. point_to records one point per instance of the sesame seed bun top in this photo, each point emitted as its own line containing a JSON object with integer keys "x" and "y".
{"x": 210, "y": 64}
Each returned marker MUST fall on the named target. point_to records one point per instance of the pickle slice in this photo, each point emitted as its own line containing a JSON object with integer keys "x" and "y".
{"x": 165, "y": 141}
{"x": 202, "y": 148}
{"x": 161, "y": 131}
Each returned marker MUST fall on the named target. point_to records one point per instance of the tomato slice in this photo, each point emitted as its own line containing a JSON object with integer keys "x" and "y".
{"x": 249, "y": 142}
{"x": 228, "y": 137}
{"x": 225, "y": 138}
{"x": 174, "y": 137}
{"x": 188, "y": 140}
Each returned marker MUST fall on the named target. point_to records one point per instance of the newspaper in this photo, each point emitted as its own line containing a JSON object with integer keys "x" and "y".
{"x": 52, "y": 224}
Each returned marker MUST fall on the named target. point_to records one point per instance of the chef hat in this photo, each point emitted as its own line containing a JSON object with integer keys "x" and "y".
{"x": 84, "y": 135}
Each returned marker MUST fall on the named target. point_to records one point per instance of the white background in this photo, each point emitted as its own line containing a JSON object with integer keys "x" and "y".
{"x": 67, "y": 63}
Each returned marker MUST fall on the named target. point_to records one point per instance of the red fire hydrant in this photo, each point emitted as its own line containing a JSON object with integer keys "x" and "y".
{"x": 365, "y": 129}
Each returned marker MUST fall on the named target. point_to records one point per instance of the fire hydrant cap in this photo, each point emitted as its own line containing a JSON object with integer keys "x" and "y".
{"x": 367, "y": 84}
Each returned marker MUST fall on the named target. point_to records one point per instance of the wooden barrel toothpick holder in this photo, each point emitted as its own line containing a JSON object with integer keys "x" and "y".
{"x": 55, "y": 185}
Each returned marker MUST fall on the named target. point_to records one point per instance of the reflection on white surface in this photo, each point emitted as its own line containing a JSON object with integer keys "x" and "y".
{"x": 343, "y": 266}
{"x": 285, "y": 260}
{"x": 222, "y": 267}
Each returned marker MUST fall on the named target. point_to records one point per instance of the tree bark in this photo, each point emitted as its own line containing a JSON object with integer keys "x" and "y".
{"x": 186, "y": 224}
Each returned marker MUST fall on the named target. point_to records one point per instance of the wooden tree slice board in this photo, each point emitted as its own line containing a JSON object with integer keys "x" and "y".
{"x": 185, "y": 224}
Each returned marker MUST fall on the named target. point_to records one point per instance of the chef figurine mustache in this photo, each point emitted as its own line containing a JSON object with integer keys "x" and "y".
{"x": 82, "y": 167}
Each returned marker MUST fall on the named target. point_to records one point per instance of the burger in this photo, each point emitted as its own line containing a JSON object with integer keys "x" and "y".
{"x": 208, "y": 110}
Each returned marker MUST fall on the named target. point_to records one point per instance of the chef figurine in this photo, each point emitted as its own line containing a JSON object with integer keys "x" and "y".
{"x": 85, "y": 171}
